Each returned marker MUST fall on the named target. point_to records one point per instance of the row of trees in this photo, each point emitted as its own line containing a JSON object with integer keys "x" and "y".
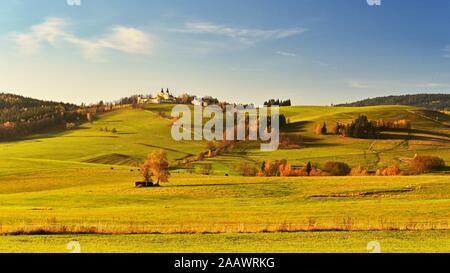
{"x": 429, "y": 101}
{"x": 155, "y": 168}
{"x": 418, "y": 165}
{"x": 362, "y": 127}
{"x": 277, "y": 102}
{"x": 359, "y": 128}
{"x": 22, "y": 116}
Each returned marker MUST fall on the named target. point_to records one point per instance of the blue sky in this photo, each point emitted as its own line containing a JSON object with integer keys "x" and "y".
{"x": 312, "y": 51}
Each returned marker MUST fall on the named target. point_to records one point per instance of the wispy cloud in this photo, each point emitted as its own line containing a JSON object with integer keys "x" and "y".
{"x": 447, "y": 51}
{"x": 286, "y": 54}
{"x": 53, "y": 32}
{"x": 434, "y": 85}
{"x": 358, "y": 84}
{"x": 246, "y": 69}
{"x": 244, "y": 35}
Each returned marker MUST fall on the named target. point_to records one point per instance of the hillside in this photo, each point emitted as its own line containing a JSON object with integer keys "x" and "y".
{"x": 428, "y": 101}
{"x": 141, "y": 131}
{"x": 82, "y": 181}
{"x": 21, "y": 116}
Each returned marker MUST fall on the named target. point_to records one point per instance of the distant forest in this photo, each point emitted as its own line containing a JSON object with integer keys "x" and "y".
{"x": 429, "y": 101}
{"x": 22, "y": 116}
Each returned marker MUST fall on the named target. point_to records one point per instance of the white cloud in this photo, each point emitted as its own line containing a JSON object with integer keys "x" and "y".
{"x": 286, "y": 54}
{"x": 447, "y": 52}
{"x": 244, "y": 35}
{"x": 53, "y": 32}
{"x": 358, "y": 84}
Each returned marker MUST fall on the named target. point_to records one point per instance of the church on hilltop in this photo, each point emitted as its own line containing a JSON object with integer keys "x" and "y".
{"x": 163, "y": 97}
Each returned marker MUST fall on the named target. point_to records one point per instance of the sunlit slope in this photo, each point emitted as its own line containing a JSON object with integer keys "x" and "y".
{"x": 106, "y": 201}
{"x": 430, "y": 135}
{"x": 139, "y": 132}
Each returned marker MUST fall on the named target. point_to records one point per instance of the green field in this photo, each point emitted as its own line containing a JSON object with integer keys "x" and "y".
{"x": 310, "y": 242}
{"x": 56, "y": 187}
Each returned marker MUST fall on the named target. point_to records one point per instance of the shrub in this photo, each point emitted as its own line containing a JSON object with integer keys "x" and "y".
{"x": 287, "y": 170}
{"x": 393, "y": 170}
{"x": 317, "y": 172}
{"x": 401, "y": 124}
{"x": 207, "y": 169}
{"x": 422, "y": 164}
{"x": 321, "y": 129}
{"x": 290, "y": 141}
{"x": 273, "y": 168}
{"x": 247, "y": 169}
{"x": 359, "y": 171}
{"x": 70, "y": 125}
{"x": 336, "y": 168}
{"x": 279, "y": 168}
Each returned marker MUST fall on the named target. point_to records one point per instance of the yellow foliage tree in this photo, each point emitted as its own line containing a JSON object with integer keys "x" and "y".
{"x": 156, "y": 165}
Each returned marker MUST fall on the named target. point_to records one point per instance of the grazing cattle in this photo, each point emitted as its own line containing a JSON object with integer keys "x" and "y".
{"x": 143, "y": 184}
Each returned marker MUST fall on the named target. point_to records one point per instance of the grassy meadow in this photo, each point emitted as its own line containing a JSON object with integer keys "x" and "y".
{"x": 79, "y": 185}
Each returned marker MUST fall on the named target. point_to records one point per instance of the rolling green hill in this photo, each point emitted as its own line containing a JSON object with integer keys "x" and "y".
{"x": 21, "y": 116}
{"x": 82, "y": 181}
{"x": 428, "y": 101}
{"x": 141, "y": 131}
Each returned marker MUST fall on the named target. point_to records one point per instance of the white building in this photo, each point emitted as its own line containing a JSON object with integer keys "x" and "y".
{"x": 197, "y": 101}
{"x": 160, "y": 98}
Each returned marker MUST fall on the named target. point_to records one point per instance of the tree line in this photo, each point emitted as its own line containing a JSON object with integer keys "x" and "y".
{"x": 273, "y": 102}
{"x": 429, "y": 101}
{"x": 21, "y": 116}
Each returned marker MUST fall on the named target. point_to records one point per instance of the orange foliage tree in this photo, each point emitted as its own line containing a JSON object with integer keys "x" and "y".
{"x": 156, "y": 165}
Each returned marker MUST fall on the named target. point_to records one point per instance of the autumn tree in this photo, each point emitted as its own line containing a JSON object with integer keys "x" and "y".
{"x": 336, "y": 168}
{"x": 321, "y": 129}
{"x": 247, "y": 169}
{"x": 423, "y": 164}
{"x": 156, "y": 165}
{"x": 146, "y": 173}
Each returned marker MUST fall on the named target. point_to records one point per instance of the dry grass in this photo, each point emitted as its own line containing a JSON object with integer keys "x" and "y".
{"x": 310, "y": 225}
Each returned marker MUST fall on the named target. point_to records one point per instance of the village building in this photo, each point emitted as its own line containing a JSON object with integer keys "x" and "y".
{"x": 163, "y": 97}
{"x": 197, "y": 101}
{"x": 205, "y": 101}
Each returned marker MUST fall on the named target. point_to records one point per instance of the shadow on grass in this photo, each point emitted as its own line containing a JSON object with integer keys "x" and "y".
{"x": 165, "y": 148}
{"x": 388, "y": 136}
{"x": 418, "y": 131}
{"x": 295, "y": 127}
{"x": 49, "y": 133}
